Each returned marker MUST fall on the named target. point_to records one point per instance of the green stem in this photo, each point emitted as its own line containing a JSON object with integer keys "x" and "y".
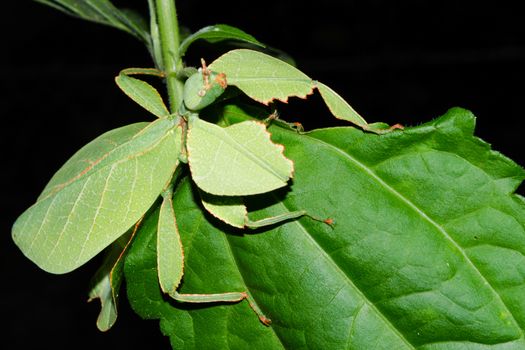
{"x": 169, "y": 42}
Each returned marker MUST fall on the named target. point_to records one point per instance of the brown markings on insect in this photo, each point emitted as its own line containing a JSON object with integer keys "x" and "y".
{"x": 206, "y": 73}
{"x": 121, "y": 255}
{"x": 273, "y": 116}
{"x": 183, "y": 124}
{"x": 299, "y": 127}
{"x": 60, "y": 186}
{"x": 329, "y": 222}
{"x": 396, "y": 126}
{"x": 205, "y": 76}
{"x": 221, "y": 80}
{"x": 265, "y": 320}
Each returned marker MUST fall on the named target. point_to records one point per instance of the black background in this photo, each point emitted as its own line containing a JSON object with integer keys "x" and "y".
{"x": 395, "y": 61}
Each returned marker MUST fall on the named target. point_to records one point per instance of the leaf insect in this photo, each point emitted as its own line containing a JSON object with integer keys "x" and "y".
{"x": 108, "y": 185}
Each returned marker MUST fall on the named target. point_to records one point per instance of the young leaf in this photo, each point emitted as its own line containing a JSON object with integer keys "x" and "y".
{"x": 262, "y": 77}
{"x": 156, "y": 49}
{"x": 216, "y": 33}
{"x": 425, "y": 253}
{"x": 104, "y": 12}
{"x": 94, "y": 198}
{"x": 143, "y": 93}
{"x": 235, "y": 161}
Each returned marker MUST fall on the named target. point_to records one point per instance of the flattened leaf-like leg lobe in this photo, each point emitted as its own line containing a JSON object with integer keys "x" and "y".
{"x": 339, "y": 107}
{"x": 105, "y": 284}
{"x": 84, "y": 214}
{"x": 232, "y": 211}
{"x": 91, "y": 155}
{"x": 236, "y": 161}
{"x": 170, "y": 264}
{"x": 170, "y": 255}
{"x": 229, "y": 209}
{"x": 230, "y": 297}
{"x": 262, "y": 77}
{"x": 143, "y": 93}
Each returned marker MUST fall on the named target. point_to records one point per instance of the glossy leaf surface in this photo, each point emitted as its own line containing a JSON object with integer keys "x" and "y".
{"x": 236, "y": 161}
{"x": 426, "y": 252}
{"x": 98, "y": 195}
{"x": 183, "y": 327}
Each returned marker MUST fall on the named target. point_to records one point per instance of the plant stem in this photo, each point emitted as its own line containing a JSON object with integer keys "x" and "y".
{"x": 169, "y": 42}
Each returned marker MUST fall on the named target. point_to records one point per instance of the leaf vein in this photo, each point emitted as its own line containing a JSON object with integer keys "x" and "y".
{"x": 338, "y": 269}
{"x": 426, "y": 217}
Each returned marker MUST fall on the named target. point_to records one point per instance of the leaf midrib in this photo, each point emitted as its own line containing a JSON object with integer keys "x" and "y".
{"x": 425, "y": 217}
{"x": 245, "y": 151}
{"x": 337, "y": 268}
{"x": 187, "y": 250}
{"x": 88, "y": 172}
{"x": 237, "y": 264}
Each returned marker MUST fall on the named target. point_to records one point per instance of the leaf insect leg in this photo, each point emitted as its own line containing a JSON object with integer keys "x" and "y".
{"x": 231, "y": 297}
{"x": 274, "y": 118}
{"x": 274, "y": 219}
{"x": 170, "y": 263}
{"x": 284, "y": 217}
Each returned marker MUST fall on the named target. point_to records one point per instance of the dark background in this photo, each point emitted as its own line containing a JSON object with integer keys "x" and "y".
{"x": 395, "y": 61}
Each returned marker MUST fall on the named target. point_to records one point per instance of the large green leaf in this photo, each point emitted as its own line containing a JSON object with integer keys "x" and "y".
{"x": 98, "y": 195}
{"x": 427, "y": 250}
{"x": 183, "y": 328}
{"x": 104, "y": 12}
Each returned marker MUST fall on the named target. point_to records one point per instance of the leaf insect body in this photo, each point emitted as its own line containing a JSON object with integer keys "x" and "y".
{"x": 203, "y": 88}
{"x": 176, "y": 138}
